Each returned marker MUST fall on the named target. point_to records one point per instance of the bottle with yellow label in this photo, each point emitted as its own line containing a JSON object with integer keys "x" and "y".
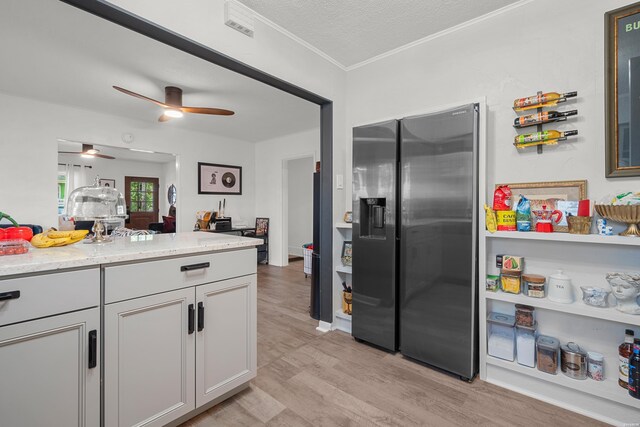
{"x": 547, "y": 137}
{"x": 544, "y": 100}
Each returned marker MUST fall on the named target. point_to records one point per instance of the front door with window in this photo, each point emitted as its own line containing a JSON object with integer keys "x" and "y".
{"x": 141, "y": 196}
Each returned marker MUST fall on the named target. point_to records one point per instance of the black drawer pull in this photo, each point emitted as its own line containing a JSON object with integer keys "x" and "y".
{"x": 200, "y": 316}
{"x": 5, "y": 296}
{"x": 195, "y": 266}
{"x": 93, "y": 349}
{"x": 192, "y": 313}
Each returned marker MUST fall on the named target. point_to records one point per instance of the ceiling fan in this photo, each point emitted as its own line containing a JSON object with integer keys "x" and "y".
{"x": 173, "y": 104}
{"x": 88, "y": 151}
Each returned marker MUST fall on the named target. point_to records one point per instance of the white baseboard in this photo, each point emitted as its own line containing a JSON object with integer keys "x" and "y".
{"x": 323, "y": 326}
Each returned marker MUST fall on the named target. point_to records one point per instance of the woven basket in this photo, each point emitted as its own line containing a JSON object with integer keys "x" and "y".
{"x": 579, "y": 224}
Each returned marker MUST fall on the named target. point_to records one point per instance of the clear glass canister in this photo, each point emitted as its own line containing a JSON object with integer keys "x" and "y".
{"x": 525, "y": 315}
{"x": 547, "y": 354}
{"x": 526, "y": 345}
{"x": 596, "y": 366}
{"x": 501, "y": 343}
{"x": 510, "y": 281}
{"x": 535, "y": 285}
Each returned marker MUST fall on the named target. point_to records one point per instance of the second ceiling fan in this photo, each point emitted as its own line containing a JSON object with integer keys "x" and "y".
{"x": 173, "y": 104}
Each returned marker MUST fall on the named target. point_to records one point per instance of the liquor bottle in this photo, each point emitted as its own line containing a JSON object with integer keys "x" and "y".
{"x": 545, "y": 100}
{"x": 536, "y": 138}
{"x": 624, "y": 353}
{"x": 634, "y": 370}
{"x": 540, "y": 118}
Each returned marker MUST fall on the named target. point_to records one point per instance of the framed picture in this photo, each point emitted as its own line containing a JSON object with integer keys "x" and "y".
{"x": 219, "y": 179}
{"x": 348, "y": 217}
{"x": 347, "y": 250}
{"x": 555, "y": 195}
{"x": 108, "y": 183}
{"x": 262, "y": 226}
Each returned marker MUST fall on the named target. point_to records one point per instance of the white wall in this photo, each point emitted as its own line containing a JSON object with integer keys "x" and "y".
{"x": 300, "y": 200}
{"x": 28, "y": 176}
{"x": 117, "y": 169}
{"x": 271, "y": 187}
{"x": 543, "y": 45}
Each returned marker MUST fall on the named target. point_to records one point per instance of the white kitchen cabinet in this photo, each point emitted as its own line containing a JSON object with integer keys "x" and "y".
{"x": 226, "y": 336}
{"x": 49, "y": 370}
{"x": 149, "y": 359}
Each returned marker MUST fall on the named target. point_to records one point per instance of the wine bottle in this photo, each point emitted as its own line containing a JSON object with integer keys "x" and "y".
{"x": 545, "y": 100}
{"x": 537, "y": 138}
{"x": 634, "y": 370}
{"x": 624, "y": 353}
{"x": 540, "y": 118}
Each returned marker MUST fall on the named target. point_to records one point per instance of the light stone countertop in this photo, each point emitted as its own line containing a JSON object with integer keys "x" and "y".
{"x": 121, "y": 249}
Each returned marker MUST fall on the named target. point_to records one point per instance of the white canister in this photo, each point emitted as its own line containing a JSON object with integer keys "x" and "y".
{"x": 560, "y": 288}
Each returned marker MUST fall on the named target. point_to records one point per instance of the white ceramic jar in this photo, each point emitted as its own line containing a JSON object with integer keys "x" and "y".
{"x": 560, "y": 288}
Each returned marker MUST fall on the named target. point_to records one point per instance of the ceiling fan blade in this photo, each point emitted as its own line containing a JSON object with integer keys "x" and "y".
{"x": 137, "y": 95}
{"x": 164, "y": 118}
{"x": 103, "y": 156}
{"x": 203, "y": 110}
{"x": 69, "y": 152}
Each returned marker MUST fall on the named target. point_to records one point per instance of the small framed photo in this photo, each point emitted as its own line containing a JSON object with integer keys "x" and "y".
{"x": 347, "y": 250}
{"x": 111, "y": 183}
{"x": 554, "y": 195}
{"x": 219, "y": 179}
{"x": 348, "y": 217}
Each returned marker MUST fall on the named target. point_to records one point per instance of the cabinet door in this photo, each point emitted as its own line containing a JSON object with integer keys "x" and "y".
{"x": 45, "y": 378}
{"x": 149, "y": 359}
{"x": 226, "y": 337}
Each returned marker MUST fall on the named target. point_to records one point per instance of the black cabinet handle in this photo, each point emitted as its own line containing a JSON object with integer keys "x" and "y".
{"x": 192, "y": 267}
{"x": 192, "y": 313}
{"x": 200, "y": 316}
{"x": 5, "y": 296}
{"x": 93, "y": 349}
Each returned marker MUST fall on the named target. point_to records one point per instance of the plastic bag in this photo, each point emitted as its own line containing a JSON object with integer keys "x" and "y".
{"x": 502, "y": 198}
{"x": 523, "y": 214}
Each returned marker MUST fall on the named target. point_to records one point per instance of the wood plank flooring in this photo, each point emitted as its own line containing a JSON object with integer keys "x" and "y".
{"x": 306, "y": 378}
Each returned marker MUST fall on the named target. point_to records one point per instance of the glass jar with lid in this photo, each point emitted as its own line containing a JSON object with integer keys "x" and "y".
{"x": 535, "y": 285}
{"x": 547, "y": 354}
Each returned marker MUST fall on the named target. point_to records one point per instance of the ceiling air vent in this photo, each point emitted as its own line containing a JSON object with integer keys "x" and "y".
{"x": 238, "y": 17}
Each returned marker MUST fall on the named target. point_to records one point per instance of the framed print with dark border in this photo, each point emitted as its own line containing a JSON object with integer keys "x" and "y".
{"x": 347, "y": 250}
{"x": 107, "y": 183}
{"x": 622, "y": 74}
{"x": 554, "y": 195}
{"x": 219, "y": 179}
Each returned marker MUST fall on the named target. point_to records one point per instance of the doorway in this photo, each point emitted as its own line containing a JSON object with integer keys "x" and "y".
{"x": 141, "y": 197}
{"x": 298, "y": 207}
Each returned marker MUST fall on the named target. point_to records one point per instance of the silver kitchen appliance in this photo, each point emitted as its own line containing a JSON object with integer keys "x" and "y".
{"x": 415, "y": 226}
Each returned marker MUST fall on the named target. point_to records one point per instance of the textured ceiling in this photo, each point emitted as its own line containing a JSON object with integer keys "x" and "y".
{"x": 352, "y": 31}
{"x": 56, "y": 53}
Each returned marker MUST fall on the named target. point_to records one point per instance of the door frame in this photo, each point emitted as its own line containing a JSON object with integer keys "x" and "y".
{"x": 118, "y": 16}
{"x": 156, "y": 198}
{"x": 285, "y": 202}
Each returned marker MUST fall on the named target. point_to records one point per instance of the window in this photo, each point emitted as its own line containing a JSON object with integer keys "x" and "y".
{"x": 142, "y": 196}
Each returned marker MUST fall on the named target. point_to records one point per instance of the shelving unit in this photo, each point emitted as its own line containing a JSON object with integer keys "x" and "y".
{"x": 342, "y": 321}
{"x": 586, "y": 259}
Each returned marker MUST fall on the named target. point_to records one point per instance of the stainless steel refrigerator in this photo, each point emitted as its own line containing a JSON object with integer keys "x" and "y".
{"x": 415, "y": 237}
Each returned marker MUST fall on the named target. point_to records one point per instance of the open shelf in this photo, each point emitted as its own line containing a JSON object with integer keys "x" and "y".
{"x": 607, "y": 389}
{"x": 577, "y": 307}
{"x": 346, "y": 269}
{"x": 343, "y": 321}
{"x": 344, "y": 225}
{"x": 565, "y": 237}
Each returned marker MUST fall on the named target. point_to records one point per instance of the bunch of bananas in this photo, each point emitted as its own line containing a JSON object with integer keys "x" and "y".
{"x": 54, "y": 237}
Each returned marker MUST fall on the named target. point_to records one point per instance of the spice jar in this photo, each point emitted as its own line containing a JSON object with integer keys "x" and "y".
{"x": 573, "y": 361}
{"x": 534, "y": 285}
{"x": 547, "y": 354}
{"x": 510, "y": 281}
{"x": 525, "y": 315}
{"x": 526, "y": 345}
{"x": 501, "y": 336}
{"x": 596, "y": 366}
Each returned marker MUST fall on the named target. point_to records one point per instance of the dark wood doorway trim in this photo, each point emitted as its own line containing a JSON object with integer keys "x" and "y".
{"x": 146, "y": 217}
{"x": 140, "y": 25}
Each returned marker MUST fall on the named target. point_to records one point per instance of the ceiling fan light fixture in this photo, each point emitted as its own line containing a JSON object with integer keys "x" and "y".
{"x": 173, "y": 113}
{"x": 87, "y": 156}
{"x": 92, "y": 151}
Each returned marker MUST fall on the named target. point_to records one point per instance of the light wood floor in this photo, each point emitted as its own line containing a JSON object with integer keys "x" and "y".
{"x": 306, "y": 378}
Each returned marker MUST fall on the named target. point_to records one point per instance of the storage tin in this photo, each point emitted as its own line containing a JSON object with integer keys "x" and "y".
{"x": 534, "y": 285}
{"x": 547, "y": 354}
{"x": 573, "y": 361}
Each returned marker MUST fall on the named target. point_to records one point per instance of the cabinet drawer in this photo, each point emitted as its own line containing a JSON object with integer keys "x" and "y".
{"x": 146, "y": 278}
{"x": 49, "y": 294}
